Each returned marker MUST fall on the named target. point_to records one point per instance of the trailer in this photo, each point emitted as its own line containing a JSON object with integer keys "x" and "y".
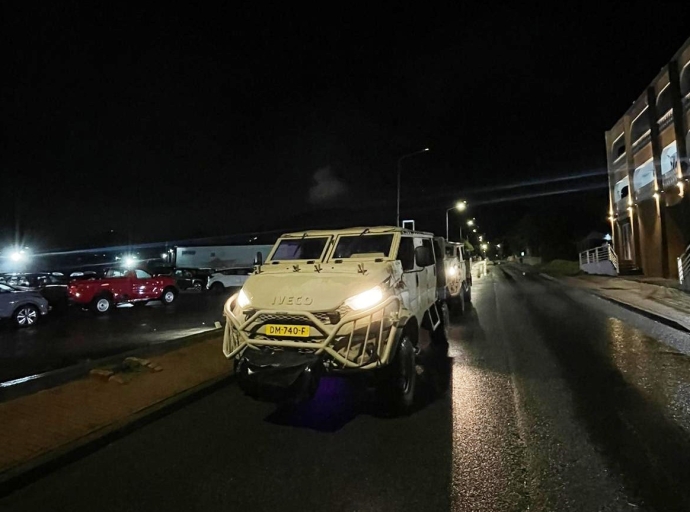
{"x": 218, "y": 256}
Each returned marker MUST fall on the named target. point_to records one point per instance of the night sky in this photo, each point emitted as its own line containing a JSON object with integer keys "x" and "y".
{"x": 164, "y": 124}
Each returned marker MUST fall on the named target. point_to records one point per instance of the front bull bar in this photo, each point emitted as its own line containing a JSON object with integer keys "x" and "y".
{"x": 236, "y": 339}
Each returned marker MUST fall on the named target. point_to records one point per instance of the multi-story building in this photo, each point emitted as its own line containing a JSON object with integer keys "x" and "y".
{"x": 648, "y": 173}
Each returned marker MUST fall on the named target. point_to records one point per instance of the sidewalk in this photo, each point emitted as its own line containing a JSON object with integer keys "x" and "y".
{"x": 659, "y": 297}
{"x": 45, "y": 425}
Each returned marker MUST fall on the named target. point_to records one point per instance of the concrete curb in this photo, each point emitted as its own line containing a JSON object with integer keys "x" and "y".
{"x": 34, "y": 383}
{"x": 630, "y": 307}
{"x": 24, "y": 474}
{"x": 648, "y": 314}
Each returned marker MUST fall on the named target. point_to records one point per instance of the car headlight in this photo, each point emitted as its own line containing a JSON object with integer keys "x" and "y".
{"x": 452, "y": 271}
{"x": 365, "y": 299}
{"x": 242, "y": 299}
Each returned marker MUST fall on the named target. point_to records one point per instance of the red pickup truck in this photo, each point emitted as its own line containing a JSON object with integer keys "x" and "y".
{"x": 120, "y": 286}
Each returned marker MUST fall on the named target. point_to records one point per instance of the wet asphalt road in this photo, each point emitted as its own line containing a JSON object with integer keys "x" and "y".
{"x": 545, "y": 399}
{"x": 63, "y": 339}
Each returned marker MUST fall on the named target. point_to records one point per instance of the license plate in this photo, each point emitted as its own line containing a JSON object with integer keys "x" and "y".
{"x": 299, "y": 331}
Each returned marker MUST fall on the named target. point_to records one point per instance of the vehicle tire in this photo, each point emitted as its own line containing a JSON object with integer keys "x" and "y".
{"x": 168, "y": 296}
{"x": 442, "y": 333}
{"x": 401, "y": 378}
{"x": 217, "y": 287}
{"x": 101, "y": 304}
{"x": 198, "y": 286}
{"x": 26, "y": 315}
{"x": 459, "y": 304}
{"x": 467, "y": 294}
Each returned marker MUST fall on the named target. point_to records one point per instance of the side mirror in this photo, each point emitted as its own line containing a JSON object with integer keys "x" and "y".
{"x": 259, "y": 259}
{"x": 423, "y": 256}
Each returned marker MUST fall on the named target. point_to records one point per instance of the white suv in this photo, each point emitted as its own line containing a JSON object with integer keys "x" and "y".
{"x": 228, "y": 278}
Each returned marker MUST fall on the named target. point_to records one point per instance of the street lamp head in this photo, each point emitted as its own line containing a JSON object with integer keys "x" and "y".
{"x": 461, "y": 206}
{"x": 426, "y": 149}
{"x": 470, "y": 222}
{"x": 18, "y": 254}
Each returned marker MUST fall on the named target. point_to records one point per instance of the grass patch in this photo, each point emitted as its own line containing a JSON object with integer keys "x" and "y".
{"x": 561, "y": 268}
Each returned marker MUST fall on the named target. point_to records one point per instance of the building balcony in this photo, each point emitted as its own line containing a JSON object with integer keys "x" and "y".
{"x": 640, "y": 143}
{"x": 622, "y": 206}
{"x": 645, "y": 192}
{"x": 665, "y": 120}
{"x": 670, "y": 179}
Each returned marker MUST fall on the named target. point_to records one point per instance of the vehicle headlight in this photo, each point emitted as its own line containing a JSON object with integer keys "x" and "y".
{"x": 452, "y": 271}
{"x": 242, "y": 299}
{"x": 365, "y": 299}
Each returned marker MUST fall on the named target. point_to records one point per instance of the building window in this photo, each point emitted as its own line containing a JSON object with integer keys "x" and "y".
{"x": 669, "y": 158}
{"x": 644, "y": 174}
{"x": 622, "y": 189}
{"x": 618, "y": 148}
{"x": 640, "y": 126}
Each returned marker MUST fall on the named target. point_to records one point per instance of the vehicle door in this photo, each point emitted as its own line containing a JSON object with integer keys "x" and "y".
{"x": 427, "y": 278}
{"x": 5, "y": 299}
{"x": 464, "y": 264}
{"x": 183, "y": 278}
{"x": 410, "y": 291}
{"x": 143, "y": 284}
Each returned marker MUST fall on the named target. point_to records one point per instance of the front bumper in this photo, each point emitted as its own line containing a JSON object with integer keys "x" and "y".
{"x": 360, "y": 339}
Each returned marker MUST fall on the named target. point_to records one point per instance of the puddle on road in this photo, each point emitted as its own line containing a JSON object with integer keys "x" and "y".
{"x": 660, "y": 372}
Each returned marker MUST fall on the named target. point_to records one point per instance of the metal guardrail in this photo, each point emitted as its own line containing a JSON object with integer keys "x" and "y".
{"x": 684, "y": 269}
{"x": 599, "y": 254}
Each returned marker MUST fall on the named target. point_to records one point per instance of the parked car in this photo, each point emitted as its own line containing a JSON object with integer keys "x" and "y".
{"x": 122, "y": 286}
{"x": 51, "y": 285}
{"x": 23, "y": 307}
{"x": 83, "y": 275}
{"x": 228, "y": 278}
{"x": 186, "y": 278}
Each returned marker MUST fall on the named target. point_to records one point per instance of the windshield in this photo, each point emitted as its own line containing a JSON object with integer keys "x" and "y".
{"x": 363, "y": 246}
{"x": 300, "y": 249}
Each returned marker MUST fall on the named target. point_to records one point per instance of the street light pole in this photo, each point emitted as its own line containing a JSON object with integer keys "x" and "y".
{"x": 460, "y": 206}
{"x": 397, "y": 216}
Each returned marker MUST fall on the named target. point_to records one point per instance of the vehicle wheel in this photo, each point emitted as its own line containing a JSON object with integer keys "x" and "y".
{"x": 459, "y": 304}
{"x": 467, "y": 294}
{"x": 26, "y": 315}
{"x": 198, "y": 286}
{"x": 101, "y": 304}
{"x": 168, "y": 296}
{"x": 401, "y": 380}
{"x": 217, "y": 287}
{"x": 442, "y": 333}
